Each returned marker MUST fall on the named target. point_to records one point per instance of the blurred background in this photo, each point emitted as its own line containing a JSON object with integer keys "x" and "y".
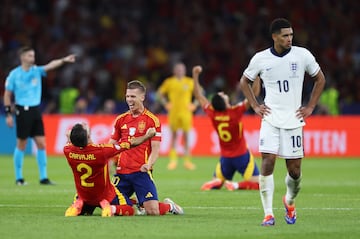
{"x": 119, "y": 41}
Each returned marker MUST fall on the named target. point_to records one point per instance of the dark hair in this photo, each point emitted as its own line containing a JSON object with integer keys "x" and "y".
{"x": 218, "y": 103}
{"x": 79, "y": 135}
{"x": 279, "y": 23}
{"x": 135, "y": 84}
{"x": 24, "y": 49}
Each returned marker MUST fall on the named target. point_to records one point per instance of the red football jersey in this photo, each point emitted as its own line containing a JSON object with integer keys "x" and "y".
{"x": 126, "y": 127}
{"x": 90, "y": 169}
{"x": 229, "y": 128}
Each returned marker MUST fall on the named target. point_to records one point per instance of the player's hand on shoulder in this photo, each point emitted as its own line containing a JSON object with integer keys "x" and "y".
{"x": 151, "y": 132}
{"x": 68, "y": 135}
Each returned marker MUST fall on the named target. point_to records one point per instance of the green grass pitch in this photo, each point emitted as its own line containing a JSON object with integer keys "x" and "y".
{"x": 328, "y": 205}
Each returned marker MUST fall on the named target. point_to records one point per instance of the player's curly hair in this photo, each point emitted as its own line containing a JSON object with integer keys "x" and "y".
{"x": 279, "y": 23}
{"x": 79, "y": 135}
{"x": 218, "y": 103}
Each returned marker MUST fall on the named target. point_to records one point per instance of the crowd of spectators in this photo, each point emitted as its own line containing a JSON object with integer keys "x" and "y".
{"x": 119, "y": 41}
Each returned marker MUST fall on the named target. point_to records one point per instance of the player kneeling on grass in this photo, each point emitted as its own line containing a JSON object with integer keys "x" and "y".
{"x": 135, "y": 166}
{"x": 235, "y": 156}
{"x": 89, "y": 164}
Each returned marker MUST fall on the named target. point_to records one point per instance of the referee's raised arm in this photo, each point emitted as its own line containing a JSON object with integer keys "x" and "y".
{"x": 59, "y": 62}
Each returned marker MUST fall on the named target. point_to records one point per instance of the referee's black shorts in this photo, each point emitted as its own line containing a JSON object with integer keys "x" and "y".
{"x": 29, "y": 122}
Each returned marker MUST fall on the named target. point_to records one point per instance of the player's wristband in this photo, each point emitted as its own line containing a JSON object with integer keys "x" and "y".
{"x": 7, "y": 110}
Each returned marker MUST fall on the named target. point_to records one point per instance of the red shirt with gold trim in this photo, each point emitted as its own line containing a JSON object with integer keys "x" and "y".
{"x": 229, "y": 128}
{"x": 90, "y": 169}
{"x": 126, "y": 127}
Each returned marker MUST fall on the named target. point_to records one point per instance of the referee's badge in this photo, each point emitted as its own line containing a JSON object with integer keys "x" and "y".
{"x": 34, "y": 81}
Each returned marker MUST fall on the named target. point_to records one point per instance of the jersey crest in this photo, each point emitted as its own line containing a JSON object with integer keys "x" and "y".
{"x": 293, "y": 68}
{"x": 141, "y": 126}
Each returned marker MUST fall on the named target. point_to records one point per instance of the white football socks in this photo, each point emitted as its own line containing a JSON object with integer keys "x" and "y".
{"x": 266, "y": 184}
{"x": 292, "y": 188}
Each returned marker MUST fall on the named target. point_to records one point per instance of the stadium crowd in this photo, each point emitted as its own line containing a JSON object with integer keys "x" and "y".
{"x": 119, "y": 41}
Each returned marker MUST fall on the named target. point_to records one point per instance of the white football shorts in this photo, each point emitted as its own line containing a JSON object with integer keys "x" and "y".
{"x": 285, "y": 143}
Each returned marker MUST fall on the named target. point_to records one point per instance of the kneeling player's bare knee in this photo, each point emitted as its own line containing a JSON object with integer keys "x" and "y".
{"x": 152, "y": 207}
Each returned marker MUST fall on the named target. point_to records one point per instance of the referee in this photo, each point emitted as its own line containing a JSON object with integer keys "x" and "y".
{"x": 24, "y": 85}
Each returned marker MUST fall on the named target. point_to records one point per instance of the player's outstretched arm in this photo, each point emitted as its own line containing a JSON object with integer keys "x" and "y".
{"x": 139, "y": 140}
{"x": 197, "y": 87}
{"x": 59, "y": 62}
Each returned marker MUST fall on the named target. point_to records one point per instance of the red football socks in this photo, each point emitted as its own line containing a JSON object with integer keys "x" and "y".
{"x": 248, "y": 185}
{"x": 124, "y": 210}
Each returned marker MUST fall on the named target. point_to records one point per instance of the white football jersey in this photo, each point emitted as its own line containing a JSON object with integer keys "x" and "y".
{"x": 283, "y": 78}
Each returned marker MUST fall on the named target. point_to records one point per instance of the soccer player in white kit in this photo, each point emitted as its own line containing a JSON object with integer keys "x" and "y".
{"x": 282, "y": 69}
